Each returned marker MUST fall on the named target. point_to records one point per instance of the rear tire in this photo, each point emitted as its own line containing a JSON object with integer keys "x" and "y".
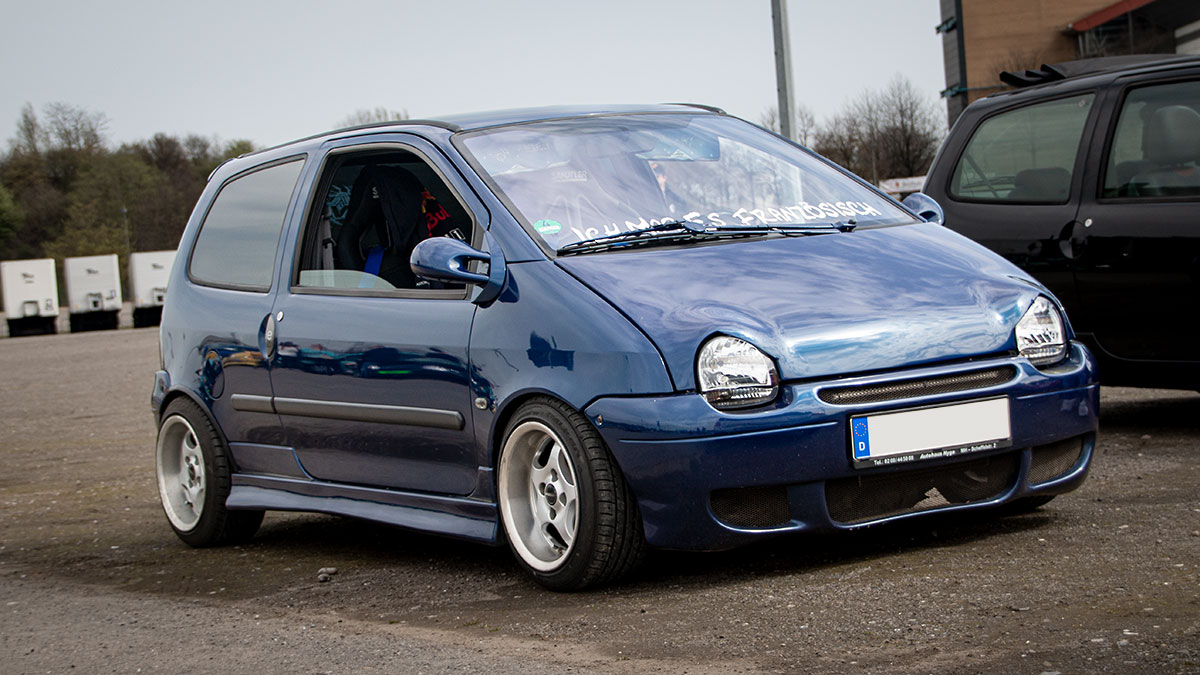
{"x": 193, "y": 469}
{"x": 570, "y": 518}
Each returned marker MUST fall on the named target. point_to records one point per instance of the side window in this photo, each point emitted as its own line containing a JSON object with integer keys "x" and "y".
{"x": 1156, "y": 147}
{"x": 237, "y": 241}
{"x": 1025, "y": 155}
{"x": 372, "y": 210}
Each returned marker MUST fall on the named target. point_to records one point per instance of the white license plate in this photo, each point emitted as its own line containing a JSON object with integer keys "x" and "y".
{"x": 929, "y": 433}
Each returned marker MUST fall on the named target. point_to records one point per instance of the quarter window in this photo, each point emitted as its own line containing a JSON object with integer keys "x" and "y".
{"x": 237, "y": 242}
{"x": 1025, "y": 155}
{"x": 1156, "y": 147}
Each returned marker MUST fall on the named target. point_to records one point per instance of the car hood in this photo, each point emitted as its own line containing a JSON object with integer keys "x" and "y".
{"x": 824, "y": 305}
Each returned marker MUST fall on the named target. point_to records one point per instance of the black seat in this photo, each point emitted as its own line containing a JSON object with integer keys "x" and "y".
{"x": 1051, "y": 185}
{"x": 384, "y": 225}
{"x": 1172, "y": 143}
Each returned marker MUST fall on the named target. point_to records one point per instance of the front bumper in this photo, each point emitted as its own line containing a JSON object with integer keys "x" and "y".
{"x": 686, "y": 461}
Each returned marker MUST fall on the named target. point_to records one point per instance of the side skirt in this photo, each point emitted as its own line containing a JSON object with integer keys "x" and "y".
{"x": 451, "y": 516}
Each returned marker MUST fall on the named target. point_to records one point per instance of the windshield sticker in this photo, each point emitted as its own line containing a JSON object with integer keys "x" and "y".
{"x": 547, "y": 226}
{"x": 569, "y": 176}
{"x": 756, "y": 217}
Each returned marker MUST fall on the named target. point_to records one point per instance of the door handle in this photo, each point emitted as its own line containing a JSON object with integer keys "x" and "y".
{"x": 1072, "y": 239}
{"x": 269, "y": 336}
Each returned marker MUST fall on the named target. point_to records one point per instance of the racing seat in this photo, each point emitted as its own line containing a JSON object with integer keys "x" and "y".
{"x": 383, "y": 226}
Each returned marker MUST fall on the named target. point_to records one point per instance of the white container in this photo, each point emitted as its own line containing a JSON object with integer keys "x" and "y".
{"x": 93, "y": 283}
{"x": 148, "y": 275}
{"x": 93, "y": 291}
{"x": 30, "y": 295}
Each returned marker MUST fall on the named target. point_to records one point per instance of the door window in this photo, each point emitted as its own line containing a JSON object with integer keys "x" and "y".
{"x": 237, "y": 241}
{"x": 374, "y": 208}
{"x": 1025, "y": 155}
{"x": 1156, "y": 147}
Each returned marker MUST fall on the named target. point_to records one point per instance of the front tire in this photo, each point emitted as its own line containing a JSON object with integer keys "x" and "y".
{"x": 566, "y": 510}
{"x": 193, "y": 469}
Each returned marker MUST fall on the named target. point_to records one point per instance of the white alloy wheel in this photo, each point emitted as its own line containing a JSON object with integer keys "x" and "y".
{"x": 539, "y": 496}
{"x": 181, "y": 476}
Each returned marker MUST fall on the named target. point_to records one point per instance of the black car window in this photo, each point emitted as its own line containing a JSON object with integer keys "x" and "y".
{"x": 375, "y": 207}
{"x": 1025, "y": 155}
{"x": 237, "y": 241}
{"x": 1156, "y": 146}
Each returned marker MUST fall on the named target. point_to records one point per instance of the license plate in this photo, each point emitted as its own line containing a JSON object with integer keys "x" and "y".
{"x": 930, "y": 433}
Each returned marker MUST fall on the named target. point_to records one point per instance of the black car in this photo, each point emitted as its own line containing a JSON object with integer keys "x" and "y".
{"x": 1085, "y": 175}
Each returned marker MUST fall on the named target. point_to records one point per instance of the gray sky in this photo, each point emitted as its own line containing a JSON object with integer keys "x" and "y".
{"x": 275, "y": 70}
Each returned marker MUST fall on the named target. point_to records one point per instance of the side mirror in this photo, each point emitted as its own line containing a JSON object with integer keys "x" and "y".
{"x": 924, "y": 206}
{"x": 446, "y": 259}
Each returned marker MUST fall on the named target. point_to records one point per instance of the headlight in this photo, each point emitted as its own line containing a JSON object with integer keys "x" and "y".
{"x": 733, "y": 373}
{"x": 1040, "y": 334}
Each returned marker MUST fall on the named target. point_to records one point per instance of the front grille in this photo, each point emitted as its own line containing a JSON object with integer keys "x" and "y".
{"x": 863, "y": 498}
{"x": 752, "y": 507}
{"x": 925, "y": 386}
{"x": 1054, "y": 459}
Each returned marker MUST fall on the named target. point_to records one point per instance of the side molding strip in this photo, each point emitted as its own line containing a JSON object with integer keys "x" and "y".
{"x": 369, "y": 412}
{"x": 252, "y": 403}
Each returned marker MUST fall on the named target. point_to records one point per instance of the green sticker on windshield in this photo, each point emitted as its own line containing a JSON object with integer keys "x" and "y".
{"x": 548, "y": 226}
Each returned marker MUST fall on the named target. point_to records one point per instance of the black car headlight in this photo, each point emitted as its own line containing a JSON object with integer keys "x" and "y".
{"x": 732, "y": 373}
{"x": 1041, "y": 337}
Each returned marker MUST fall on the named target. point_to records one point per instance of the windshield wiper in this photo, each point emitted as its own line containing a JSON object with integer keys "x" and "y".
{"x": 669, "y": 230}
{"x": 686, "y": 230}
{"x": 790, "y": 229}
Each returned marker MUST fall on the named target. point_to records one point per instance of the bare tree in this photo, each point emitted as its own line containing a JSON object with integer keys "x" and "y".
{"x": 911, "y": 130}
{"x": 75, "y": 128}
{"x": 892, "y": 133}
{"x": 840, "y": 140}
{"x": 371, "y": 116}
{"x": 805, "y": 123}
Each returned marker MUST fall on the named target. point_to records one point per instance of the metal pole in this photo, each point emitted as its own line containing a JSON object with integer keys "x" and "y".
{"x": 125, "y": 224}
{"x": 783, "y": 68}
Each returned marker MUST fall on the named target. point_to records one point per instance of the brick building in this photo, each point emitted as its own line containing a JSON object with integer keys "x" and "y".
{"x": 980, "y": 38}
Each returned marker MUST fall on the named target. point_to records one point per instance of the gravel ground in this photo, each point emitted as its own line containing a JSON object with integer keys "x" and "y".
{"x": 1101, "y": 580}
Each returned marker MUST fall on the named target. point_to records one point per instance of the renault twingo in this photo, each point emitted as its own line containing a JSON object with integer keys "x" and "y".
{"x": 591, "y": 331}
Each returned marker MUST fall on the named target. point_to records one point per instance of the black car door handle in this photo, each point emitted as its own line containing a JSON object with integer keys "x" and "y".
{"x": 1072, "y": 239}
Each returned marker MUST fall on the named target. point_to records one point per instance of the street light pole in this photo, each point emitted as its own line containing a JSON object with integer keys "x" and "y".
{"x": 783, "y": 68}
{"x": 125, "y": 224}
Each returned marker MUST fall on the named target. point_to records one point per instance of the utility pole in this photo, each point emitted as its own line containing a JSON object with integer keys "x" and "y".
{"x": 783, "y": 68}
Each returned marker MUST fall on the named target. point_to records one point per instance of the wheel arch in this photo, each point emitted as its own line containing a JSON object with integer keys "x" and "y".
{"x": 504, "y": 414}
{"x": 175, "y": 393}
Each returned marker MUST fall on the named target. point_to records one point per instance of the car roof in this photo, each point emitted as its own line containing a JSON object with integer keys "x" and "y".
{"x": 493, "y": 118}
{"x": 467, "y": 122}
{"x": 1081, "y": 74}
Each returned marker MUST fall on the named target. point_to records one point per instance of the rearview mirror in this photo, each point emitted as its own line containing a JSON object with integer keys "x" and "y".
{"x": 447, "y": 259}
{"x": 924, "y": 206}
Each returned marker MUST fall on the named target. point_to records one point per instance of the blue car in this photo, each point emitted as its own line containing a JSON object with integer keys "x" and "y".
{"x": 588, "y": 332}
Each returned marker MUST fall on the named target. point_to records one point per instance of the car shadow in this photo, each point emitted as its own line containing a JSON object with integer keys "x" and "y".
{"x": 800, "y": 554}
{"x": 1150, "y": 411}
{"x": 470, "y": 566}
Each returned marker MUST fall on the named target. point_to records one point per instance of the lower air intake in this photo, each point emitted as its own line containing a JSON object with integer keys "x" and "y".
{"x": 1054, "y": 460}
{"x": 752, "y": 507}
{"x": 863, "y": 498}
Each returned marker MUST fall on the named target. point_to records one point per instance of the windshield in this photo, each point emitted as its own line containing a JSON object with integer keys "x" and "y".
{"x": 580, "y": 179}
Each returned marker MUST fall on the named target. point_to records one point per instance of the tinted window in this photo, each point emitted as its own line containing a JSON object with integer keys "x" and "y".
{"x": 1024, "y": 155}
{"x": 1156, "y": 148}
{"x": 237, "y": 242}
